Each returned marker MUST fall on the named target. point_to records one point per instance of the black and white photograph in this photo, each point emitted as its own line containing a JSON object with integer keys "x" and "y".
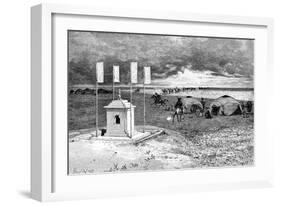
{"x": 139, "y": 103}
{"x": 154, "y": 102}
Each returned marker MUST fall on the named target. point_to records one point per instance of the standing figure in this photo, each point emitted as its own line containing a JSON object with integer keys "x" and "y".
{"x": 249, "y": 105}
{"x": 203, "y": 102}
{"x": 208, "y": 114}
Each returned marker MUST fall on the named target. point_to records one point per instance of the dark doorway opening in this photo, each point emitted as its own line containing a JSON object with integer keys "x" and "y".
{"x": 117, "y": 119}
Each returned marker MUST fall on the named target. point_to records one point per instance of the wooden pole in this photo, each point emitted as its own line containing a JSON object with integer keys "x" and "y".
{"x": 143, "y": 107}
{"x": 113, "y": 89}
{"x": 131, "y": 116}
{"x": 97, "y": 113}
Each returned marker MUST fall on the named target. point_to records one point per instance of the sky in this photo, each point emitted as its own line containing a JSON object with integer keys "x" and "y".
{"x": 175, "y": 60}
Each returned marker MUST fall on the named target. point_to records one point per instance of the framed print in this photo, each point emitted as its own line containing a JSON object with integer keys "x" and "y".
{"x": 139, "y": 102}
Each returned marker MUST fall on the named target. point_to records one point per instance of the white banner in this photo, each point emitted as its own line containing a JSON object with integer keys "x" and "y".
{"x": 147, "y": 75}
{"x": 116, "y": 77}
{"x": 134, "y": 72}
{"x": 99, "y": 72}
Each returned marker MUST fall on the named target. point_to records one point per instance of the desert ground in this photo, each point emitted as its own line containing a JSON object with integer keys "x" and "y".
{"x": 196, "y": 142}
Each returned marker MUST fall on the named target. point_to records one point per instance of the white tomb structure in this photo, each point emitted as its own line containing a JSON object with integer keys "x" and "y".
{"x": 120, "y": 119}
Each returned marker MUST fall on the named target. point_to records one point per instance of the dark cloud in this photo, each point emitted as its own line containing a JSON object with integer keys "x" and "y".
{"x": 167, "y": 55}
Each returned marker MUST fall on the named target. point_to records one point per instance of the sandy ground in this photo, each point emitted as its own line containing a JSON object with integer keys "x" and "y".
{"x": 89, "y": 156}
{"x": 171, "y": 150}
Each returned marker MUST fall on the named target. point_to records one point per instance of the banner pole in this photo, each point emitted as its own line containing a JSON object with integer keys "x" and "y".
{"x": 97, "y": 114}
{"x": 131, "y": 116}
{"x": 113, "y": 89}
{"x": 143, "y": 106}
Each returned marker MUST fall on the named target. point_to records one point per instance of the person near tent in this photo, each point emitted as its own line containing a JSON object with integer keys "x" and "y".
{"x": 203, "y": 102}
{"x": 208, "y": 113}
{"x": 179, "y": 104}
{"x": 249, "y": 106}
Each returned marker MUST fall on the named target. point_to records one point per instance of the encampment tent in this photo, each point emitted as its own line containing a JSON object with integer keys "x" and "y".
{"x": 225, "y": 105}
{"x": 191, "y": 104}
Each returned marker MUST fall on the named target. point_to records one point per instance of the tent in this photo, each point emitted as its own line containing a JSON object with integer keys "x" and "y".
{"x": 225, "y": 105}
{"x": 191, "y": 104}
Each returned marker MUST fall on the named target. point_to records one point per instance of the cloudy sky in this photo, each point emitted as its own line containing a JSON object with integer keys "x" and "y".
{"x": 175, "y": 60}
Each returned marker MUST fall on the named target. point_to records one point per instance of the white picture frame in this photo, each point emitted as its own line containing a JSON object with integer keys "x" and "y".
{"x": 49, "y": 181}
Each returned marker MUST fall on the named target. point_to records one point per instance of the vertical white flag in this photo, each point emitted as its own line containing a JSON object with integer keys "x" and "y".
{"x": 134, "y": 72}
{"x": 116, "y": 74}
{"x": 147, "y": 75}
{"x": 99, "y": 72}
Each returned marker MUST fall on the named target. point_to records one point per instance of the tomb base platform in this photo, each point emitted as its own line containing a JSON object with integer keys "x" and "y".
{"x": 138, "y": 137}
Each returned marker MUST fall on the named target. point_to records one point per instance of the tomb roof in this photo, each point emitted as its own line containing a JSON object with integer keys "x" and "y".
{"x": 119, "y": 104}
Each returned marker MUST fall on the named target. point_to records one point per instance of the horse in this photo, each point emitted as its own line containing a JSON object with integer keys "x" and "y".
{"x": 163, "y": 102}
{"x": 78, "y": 91}
{"x": 158, "y": 100}
{"x": 178, "y": 113}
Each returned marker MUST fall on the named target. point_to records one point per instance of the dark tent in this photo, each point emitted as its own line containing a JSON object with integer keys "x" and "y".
{"x": 225, "y": 105}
